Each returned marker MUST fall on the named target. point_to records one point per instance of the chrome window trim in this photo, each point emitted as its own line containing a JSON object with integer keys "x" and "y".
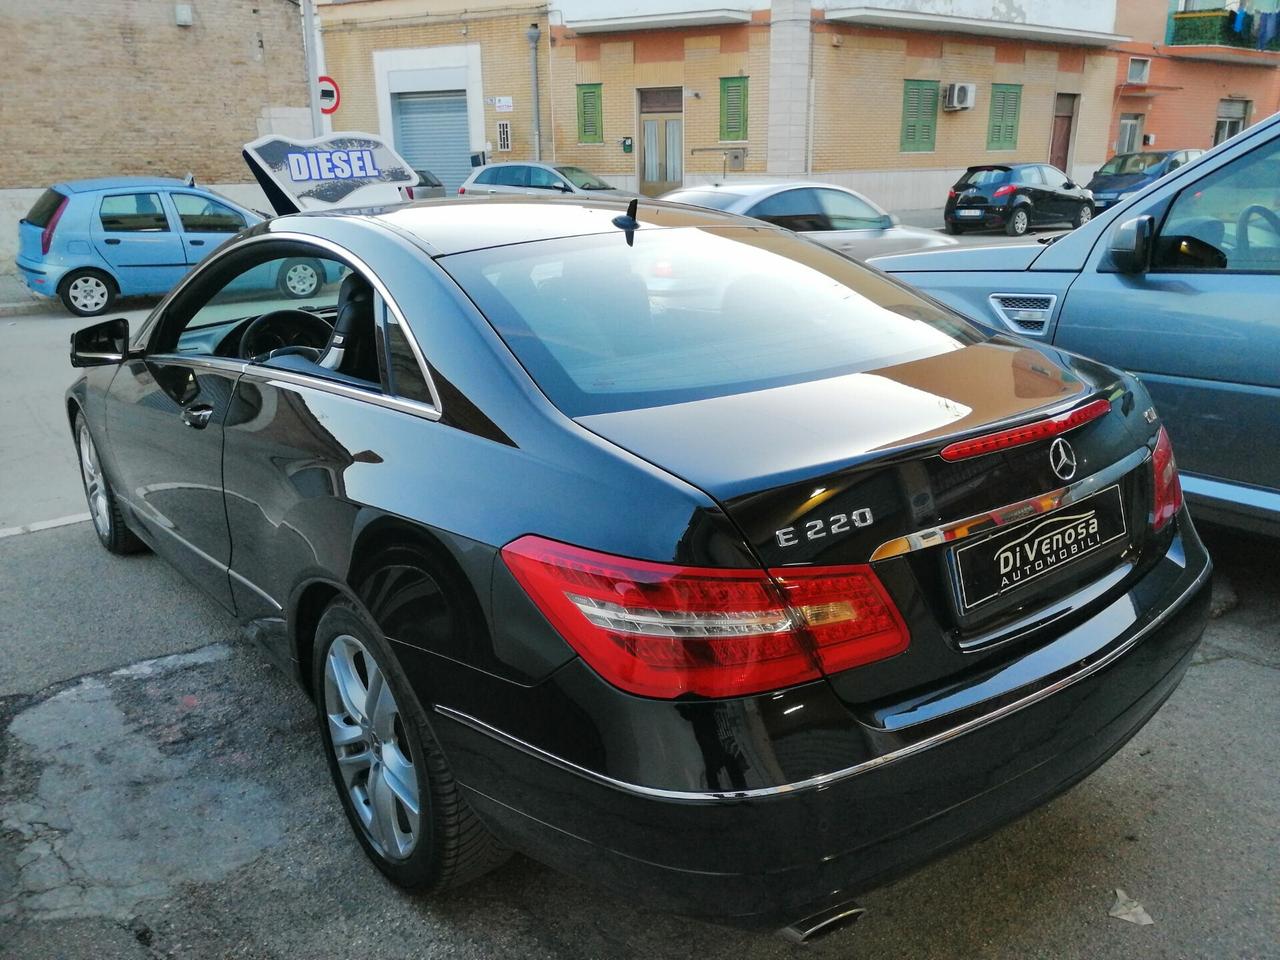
{"x": 433, "y": 412}
{"x": 983, "y": 522}
{"x": 277, "y": 377}
{"x": 826, "y": 779}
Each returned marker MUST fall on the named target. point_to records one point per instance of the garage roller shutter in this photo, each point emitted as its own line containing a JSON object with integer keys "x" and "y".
{"x": 432, "y": 133}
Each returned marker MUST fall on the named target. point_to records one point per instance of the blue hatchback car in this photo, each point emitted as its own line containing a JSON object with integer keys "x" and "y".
{"x": 91, "y": 241}
{"x": 1127, "y": 173}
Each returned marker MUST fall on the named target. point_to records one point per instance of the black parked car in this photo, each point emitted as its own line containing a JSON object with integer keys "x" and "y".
{"x": 1015, "y": 196}
{"x": 738, "y": 610}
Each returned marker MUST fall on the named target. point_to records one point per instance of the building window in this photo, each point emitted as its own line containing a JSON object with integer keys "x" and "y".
{"x": 504, "y": 135}
{"x": 733, "y": 108}
{"x": 1130, "y": 133}
{"x": 1002, "y": 126}
{"x": 1233, "y": 116}
{"x": 919, "y": 115}
{"x": 1139, "y": 70}
{"x": 590, "y": 116}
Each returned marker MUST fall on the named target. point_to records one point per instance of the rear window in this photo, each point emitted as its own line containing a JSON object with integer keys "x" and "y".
{"x": 984, "y": 177}
{"x": 42, "y": 210}
{"x": 688, "y": 313}
{"x": 715, "y": 199}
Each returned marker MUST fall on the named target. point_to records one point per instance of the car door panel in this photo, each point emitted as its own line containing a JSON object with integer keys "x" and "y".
{"x": 165, "y": 424}
{"x": 132, "y": 231}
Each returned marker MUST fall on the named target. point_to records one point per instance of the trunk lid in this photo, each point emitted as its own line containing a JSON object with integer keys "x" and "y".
{"x": 865, "y": 483}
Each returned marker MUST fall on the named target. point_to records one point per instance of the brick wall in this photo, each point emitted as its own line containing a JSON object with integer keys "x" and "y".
{"x": 104, "y": 87}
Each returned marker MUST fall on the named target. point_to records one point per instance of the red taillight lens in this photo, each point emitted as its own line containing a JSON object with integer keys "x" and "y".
{"x": 409, "y": 192}
{"x": 1017, "y": 436}
{"x": 951, "y": 194}
{"x": 1004, "y": 191}
{"x": 663, "y": 630}
{"x": 46, "y": 235}
{"x": 461, "y": 191}
{"x": 1167, "y": 498}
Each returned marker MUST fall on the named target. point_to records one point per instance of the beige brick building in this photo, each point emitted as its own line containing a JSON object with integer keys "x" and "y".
{"x": 97, "y": 88}
{"x": 651, "y": 94}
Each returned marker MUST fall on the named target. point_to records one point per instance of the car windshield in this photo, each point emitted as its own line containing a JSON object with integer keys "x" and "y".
{"x": 984, "y": 177}
{"x": 583, "y": 180}
{"x": 685, "y": 314}
{"x": 1132, "y": 163}
{"x": 715, "y": 199}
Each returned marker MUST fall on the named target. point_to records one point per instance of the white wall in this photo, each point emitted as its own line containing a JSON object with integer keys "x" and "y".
{"x": 1089, "y": 15}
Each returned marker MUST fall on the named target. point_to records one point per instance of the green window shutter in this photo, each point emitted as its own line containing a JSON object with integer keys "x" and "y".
{"x": 733, "y": 108}
{"x": 1006, "y": 104}
{"x": 590, "y": 114}
{"x": 919, "y": 115}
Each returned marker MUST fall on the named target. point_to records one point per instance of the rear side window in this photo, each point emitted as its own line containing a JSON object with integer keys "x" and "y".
{"x": 406, "y": 373}
{"x": 715, "y": 199}
{"x": 133, "y": 213}
{"x": 793, "y": 209}
{"x": 686, "y": 314}
{"x": 984, "y": 177}
{"x": 42, "y": 210}
{"x": 514, "y": 176}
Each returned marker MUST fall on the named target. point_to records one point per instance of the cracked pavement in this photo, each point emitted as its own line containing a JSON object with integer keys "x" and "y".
{"x": 180, "y": 807}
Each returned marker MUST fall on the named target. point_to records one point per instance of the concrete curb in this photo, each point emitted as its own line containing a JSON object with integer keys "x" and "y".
{"x": 30, "y": 306}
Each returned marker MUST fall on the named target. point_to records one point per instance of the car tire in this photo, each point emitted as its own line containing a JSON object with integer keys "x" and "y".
{"x": 87, "y": 292}
{"x": 954, "y": 229}
{"x": 299, "y": 278}
{"x": 1019, "y": 222}
{"x": 1083, "y": 215}
{"x": 386, "y": 760}
{"x": 104, "y": 509}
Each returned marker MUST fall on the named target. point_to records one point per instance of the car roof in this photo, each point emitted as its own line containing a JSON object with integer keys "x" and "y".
{"x": 113, "y": 183}
{"x": 458, "y": 224}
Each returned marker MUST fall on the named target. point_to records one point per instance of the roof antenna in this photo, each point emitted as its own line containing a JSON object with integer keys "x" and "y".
{"x": 628, "y": 221}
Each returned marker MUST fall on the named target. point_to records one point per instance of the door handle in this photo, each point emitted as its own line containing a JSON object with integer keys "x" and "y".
{"x": 197, "y": 415}
{"x": 112, "y": 241}
{"x": 196, "y": 243}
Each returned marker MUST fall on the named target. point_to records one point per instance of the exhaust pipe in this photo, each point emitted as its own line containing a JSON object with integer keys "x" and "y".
{"x": 818, "y": 925}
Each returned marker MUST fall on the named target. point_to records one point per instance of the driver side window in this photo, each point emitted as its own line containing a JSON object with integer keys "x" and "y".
{"x": 1228, "y": 220}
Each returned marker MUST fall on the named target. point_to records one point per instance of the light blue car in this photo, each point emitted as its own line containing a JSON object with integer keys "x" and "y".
{"x": 88, "y": 242}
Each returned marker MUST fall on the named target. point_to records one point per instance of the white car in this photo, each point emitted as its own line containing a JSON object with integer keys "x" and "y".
{"x": 537, "y": 179}
{"x": 831, "y": 215}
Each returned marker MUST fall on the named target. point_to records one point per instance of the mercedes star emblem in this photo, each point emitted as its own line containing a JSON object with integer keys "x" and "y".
{"x": 1062, "y": 459}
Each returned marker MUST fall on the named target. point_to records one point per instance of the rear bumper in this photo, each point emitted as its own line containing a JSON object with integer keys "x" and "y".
{"x": 989, "y": 217}
{"x": 40, "y": 277}
{"x": 766, "y": 857}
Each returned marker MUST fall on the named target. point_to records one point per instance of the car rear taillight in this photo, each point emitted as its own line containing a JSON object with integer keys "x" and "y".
{"x": 951, "y": 194}
{"x": 1167, "y": 496}
{"x": 664, "y": 630}
{"x": 1017, "y": 436}
{"x": 46, "y": 235}
{"x": 409, "y": 192}
{"x": 461, "y": 191}
{"x": 1004, "y": 191}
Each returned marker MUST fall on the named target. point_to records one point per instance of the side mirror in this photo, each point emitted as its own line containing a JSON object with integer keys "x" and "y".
{"x": 100, "y": 345}
{"x": 1069, "y": 185}
{"x": 1131, "y": 245}
{"x": 889, "y": 220}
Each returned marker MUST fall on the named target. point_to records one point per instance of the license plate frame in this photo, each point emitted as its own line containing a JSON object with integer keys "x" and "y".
{"x": 1020, "y": 554}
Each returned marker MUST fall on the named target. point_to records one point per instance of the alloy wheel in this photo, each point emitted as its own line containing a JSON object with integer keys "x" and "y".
{"x": 1086, "y": 214}
{"x": 88, "y": 293}
{"x": 95, "y": 488}
{"x": 301, "y": 279}
{"x": 1020, "y": 221}
{"x": 368, "y": 738}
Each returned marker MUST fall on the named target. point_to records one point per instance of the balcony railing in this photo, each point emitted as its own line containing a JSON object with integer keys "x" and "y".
{"x": 1218, "y": 28}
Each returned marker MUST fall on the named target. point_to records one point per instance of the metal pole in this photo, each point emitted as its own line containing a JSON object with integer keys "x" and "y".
{"x": 533, "y": 34}
{"x": 313, "y": 75}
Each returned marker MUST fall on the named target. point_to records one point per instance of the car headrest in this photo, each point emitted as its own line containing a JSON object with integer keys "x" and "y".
{"x": 354, "y": 296}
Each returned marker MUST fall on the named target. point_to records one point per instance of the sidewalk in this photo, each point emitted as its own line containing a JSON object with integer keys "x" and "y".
{"x": 16, "y": 299}
{"x": 921, "y": 218}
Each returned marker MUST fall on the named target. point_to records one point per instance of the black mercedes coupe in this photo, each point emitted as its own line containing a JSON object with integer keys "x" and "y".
{"x": 662, "y": 545}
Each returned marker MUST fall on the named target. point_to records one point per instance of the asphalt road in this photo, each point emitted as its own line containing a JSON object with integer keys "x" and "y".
{"x": 180, "y": 807}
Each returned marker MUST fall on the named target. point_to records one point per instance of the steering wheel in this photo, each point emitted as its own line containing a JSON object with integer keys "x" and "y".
{"x": 283, "y": 332}
{"x": 1242, "y": 224}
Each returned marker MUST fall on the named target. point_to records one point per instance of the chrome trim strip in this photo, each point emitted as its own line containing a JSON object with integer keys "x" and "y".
{"x": 375, "y": 281}
{"x": 286, "y": 378}
{"x": 982, "y": 522}
{"x": 826, "y": 779}
{"x": 255, "y": 588}
{"x": 204, "y": 361}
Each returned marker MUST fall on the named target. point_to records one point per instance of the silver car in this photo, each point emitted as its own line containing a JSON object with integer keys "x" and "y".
{"x": 831, "y": 215}
{"x": 536, "y": 179}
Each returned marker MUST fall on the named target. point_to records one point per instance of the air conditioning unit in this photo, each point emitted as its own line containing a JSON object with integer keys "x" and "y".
{"x": 959, "y": 96}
